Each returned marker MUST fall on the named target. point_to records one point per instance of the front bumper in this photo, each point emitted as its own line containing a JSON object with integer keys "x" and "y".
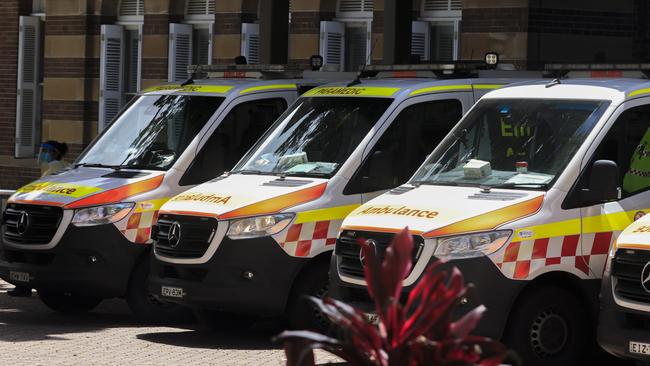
{"x": 221, "y": 284}
{"x": 619, "y": 325}
{"x": 69, "y": 266}
{"x": 493, "y": 290}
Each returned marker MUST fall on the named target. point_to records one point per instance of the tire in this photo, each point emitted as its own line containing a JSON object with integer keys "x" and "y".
{"x": 222, "y": 321}
{"x": 549, "y": 327}
{"x": 68, "y": 303}
{"x": 145, "y": 307}
{"x": 302, "y": 313}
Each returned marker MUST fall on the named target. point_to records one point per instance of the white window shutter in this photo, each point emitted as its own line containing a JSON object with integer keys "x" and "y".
{"x": 332, "y": 44}
{"x": 110, "y": 73}
{"x": 420, "y": 39}
{"x": 28, "y": 88}
{"x": 180, "y": 51}
{"x": 250, "y": 42}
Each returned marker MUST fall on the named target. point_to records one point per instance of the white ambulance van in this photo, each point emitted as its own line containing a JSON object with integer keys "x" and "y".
{"x": 524, "y": 196}
{"x": 83, "y": 235}
{"x": 256, "y": 240}
{"x": 625, "y": 296}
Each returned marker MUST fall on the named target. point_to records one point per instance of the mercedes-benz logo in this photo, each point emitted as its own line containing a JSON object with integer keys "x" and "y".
{"x": 362, "y": 258}
{"x": 645, "y": 277}
{"x": 174, "y": 235}
{"x": 23, "y": 223}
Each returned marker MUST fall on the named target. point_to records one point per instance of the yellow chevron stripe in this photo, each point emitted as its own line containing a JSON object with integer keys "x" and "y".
{"x": 325, "y": 214}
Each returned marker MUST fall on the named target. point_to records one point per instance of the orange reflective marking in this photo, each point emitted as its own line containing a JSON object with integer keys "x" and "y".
{"x": 632, "y": 246}
{"x": 119, "y": 193}
{"x": 378, "y": 229}
{"x": 187, "y": 213}
{"x": 32, "y": 202}
{"x": 490, "y": 220}
{"x": 278, "y": 203}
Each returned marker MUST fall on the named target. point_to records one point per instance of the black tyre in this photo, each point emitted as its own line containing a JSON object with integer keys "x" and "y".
{"x": 146, "y": 307}
{"x": 223, "y": 321}
{"x": 68, "y": 303}
{"x": 549, "y": 327}
{"x": 302, "y": 313}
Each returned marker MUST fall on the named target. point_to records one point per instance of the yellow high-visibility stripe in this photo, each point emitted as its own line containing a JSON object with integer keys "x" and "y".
{"x": 352, "y": 91}
{"x": 59, "y": 189}
{"x": 325, "y": 214}
{"x": 268, "y": 87}
{"x": 488, "y": 86}
{"x": 192, "y": 88}
{"x": 616, "y": 221}
{"x": 639, "y": 92}
{"x": 440, "y": 88}
{"x": 151, "y": 205}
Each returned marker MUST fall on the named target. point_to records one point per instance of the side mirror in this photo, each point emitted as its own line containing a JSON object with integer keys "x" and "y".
{"x": 603, "y": 185}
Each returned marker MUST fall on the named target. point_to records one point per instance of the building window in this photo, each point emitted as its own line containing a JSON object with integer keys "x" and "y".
{"x": 120, "y": 70}
{"x": 444, "y": 18}
{"x": 29, "y": 93}
{"x": 345, "y": 42}
{"x": 190, "y": 42}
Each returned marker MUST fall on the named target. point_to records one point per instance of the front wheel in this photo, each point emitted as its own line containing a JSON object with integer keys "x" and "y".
{"x": 68, "y": 303}
{"x": 302, "y": 313}
{"x": 548, "y": 327}
{"x": 146, "y": 307}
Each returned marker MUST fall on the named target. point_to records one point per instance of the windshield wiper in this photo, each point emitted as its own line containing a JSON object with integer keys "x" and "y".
{"x": 515, "y": 185}
{"x": 305, "y": 174}
{"x": 432, "y": 183}
{"x": 145, "y": 167}
{"x": 97, "y": 165}
{"x": 249, "y": 171}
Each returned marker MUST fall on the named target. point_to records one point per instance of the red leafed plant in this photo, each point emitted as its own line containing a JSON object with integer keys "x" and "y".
{"x": 422, "y": 332}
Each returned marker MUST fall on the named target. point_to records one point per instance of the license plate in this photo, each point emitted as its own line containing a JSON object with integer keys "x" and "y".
{"x": 19, "y": 276}
{"x": 372, "y": 318}
{"x": 640, "y": 348}
{"x": 172, "y": 291}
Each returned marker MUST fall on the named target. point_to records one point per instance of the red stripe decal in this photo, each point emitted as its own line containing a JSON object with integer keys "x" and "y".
{"x": 570, "y": 245}
{"x": 601, "y": 243}
{"x": 119, "y": 193}
{"x": 539, "y": 248}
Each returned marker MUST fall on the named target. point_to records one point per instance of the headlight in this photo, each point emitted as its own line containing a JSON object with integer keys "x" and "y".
{"x": 471, "y": 245}
{"x": 100, "y": 215}
{"x": 253, "y": 227}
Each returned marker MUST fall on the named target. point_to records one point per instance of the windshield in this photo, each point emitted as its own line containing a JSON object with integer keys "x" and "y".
{"x": 153, "y": 132}
{"x": 315, "y": 137}
{"x": 512, "y": 143}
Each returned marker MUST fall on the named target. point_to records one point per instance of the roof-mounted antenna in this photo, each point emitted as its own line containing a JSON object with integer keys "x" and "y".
{"x": 187, "y": 82}
{"x": 357, "y": 80}
{"x": 555, "y": 82}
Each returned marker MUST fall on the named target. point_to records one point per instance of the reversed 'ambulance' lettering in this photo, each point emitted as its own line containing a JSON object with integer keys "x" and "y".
{"x": 201, "y": 197}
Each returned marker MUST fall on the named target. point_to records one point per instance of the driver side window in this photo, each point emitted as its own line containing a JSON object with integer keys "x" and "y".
{"x": 238, "y": 131}
{"x": 627, "y": 144}
{"x": 414, "y": 133}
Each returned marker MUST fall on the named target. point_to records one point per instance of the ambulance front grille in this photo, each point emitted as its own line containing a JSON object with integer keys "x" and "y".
{"x": 627, "y": 269}
{"x": 193, "y": 238}
{"x": 348, "y": 251}
{"x": 30, "y": 224}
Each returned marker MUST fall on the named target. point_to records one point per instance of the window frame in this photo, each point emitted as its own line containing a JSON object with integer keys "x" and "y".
{"x": 572, "y": 198}
{"x": 465, "y": 99}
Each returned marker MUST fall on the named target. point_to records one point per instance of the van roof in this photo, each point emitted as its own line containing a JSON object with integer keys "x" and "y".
{"x": 226, "y": 87}
{"x": 409, "y": 87}
{"x": 616, "y": 90}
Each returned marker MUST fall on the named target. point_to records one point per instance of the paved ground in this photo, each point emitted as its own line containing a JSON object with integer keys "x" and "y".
{"x": 31, "y": 334}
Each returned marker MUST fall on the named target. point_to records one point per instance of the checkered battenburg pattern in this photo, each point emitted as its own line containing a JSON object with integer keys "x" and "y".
{"x": 137, "y": 228}
{"x": 309, "y": 238}
{"x": 521, "y": 258}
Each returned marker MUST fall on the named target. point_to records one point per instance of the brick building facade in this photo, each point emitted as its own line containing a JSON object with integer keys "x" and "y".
{"x": 69, "y": 98}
